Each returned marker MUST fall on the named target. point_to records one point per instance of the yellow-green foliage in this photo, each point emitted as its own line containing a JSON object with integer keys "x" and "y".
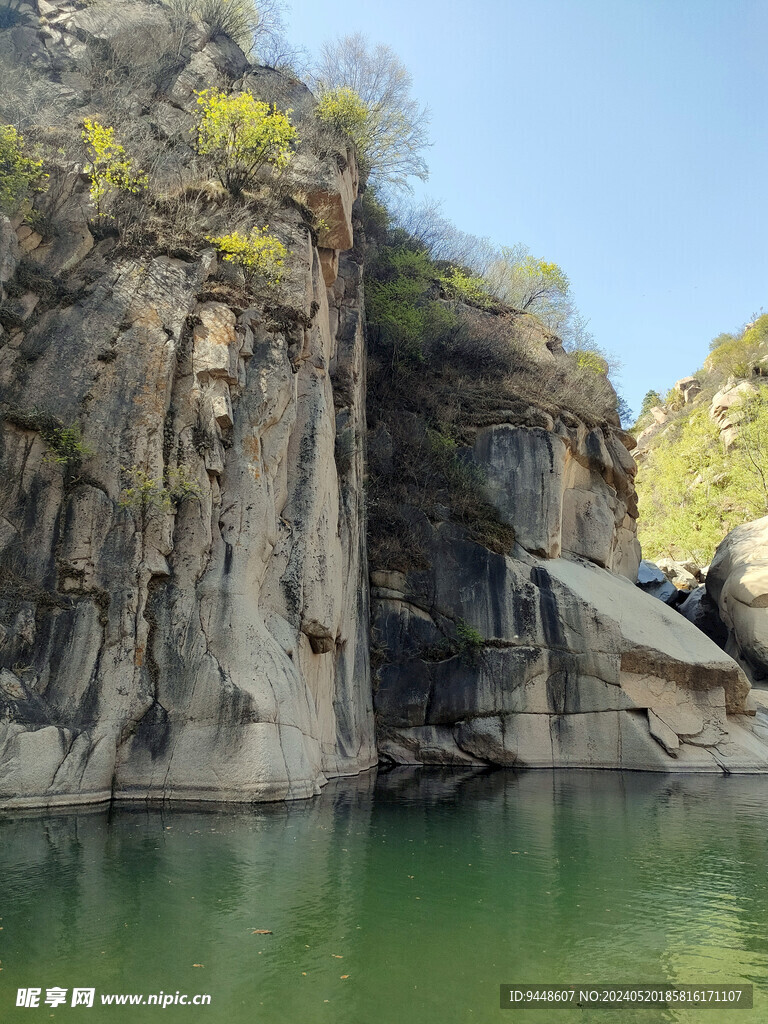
{"x": 240, "y": 134}
{"x": 150, "y": 497}
{"x": 346, "y": 113}
{"x": 399, "y": 306}
{"x": 19, "y": 173}
{"x": 258, "y": 253}
{"x": 589, "y": 359}
{"x": 736, "y": 356}
{"x": 109, "y": 169}
{"x": 692, "y": 492}
{"x": 528, "y": 283}
{"x": 470, "y": 288}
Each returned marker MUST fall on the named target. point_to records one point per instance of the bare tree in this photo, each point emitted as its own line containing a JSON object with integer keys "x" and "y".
{"x": 441, "y": 238}
{"x": 396, "y": 132}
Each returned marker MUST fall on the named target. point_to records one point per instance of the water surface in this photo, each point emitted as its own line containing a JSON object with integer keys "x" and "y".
{"x": 404, "y": 898}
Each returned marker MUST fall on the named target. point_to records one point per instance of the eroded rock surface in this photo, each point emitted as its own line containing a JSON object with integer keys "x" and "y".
{"x": 183, "y": 608}
{"x": 568, "y": 490}
{"x": 737, "y": 583}
{"x": 569, "y": 666}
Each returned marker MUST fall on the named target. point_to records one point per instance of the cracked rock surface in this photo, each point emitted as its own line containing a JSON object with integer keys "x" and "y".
{"x": 183, "y": 613}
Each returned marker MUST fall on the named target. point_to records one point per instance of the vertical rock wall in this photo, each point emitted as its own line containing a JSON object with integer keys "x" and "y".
{"x": 214, "y": 648}
{"x": 184, "y": 610}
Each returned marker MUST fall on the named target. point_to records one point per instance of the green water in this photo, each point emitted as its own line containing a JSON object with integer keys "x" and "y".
{"x": 426, "y": 889}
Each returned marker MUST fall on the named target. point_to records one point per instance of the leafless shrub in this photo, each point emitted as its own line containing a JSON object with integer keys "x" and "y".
{"x": 26, "y": 99}
{"x": 396, "y": 130}
{"x": 255, "y": 25}
{"x": 439, "y": 236}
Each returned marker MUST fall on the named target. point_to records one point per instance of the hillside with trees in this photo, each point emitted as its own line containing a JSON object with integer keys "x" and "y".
{"x": 703, "y": 450}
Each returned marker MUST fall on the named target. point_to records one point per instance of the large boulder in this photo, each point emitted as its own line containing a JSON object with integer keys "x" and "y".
{"x": 556, "y": 662}
{"x": 683, "y": 575}
{"x": 737, "y": 583}
{"x": 701, "y": 610}
{"x": 725, "y": 409}
{"x": 687, "y": 388}
{"x": 651, "y": 580}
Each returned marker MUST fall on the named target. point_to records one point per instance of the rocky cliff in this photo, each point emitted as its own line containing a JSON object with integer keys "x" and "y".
{"x": 543, "y": 657}
{"x": 184, "y": 597}
{"x": 703, "y": 464}
{"x": 210, "y": 639}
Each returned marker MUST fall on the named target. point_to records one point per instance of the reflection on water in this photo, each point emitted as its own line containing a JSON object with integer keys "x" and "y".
{"x": 407, "y": 898}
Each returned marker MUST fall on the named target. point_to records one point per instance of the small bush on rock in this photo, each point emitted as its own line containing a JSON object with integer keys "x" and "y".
{"x": 258, "y": 253}
{"x": 150, "y": 498}
{"x": 110, "y": 170}
{"x": 345, "y": 113}
{"x": 66, "y": 446}
{"x": 469, "y": 288}
{"x": 469, "y": 638}
{"x": 19, "y": 173}
{"x": 240, "y": 135}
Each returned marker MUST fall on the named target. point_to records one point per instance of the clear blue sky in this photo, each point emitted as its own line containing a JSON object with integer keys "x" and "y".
{"x": 626, "y": 140}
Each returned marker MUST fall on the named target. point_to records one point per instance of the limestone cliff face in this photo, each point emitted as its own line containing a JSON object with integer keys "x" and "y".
{"x": 544, "y": 657}
{"x": 565, "y": 489}
{"x": 209, "y": 641}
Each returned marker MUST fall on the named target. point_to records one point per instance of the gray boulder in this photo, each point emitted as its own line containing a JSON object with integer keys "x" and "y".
{"x": 737, "y": 583}
{"x": 575, "y": 667}
{"x": 651, "y": 580}
{"x": 701, "y": 610}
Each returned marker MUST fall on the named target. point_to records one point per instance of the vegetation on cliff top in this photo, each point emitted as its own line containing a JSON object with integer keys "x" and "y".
{"x": 366, "y": 91}
{"x": 447, "y": 357}
{"x": 692, "y": 488}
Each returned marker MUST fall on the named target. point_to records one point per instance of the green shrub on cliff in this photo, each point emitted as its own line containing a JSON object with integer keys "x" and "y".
{"x": 148, "y": 497}
{"x": 66, "y": 446}
{"x": 469, "y": 288}
{"x": 240, "y": 135}
{"x": 737, "y": 355}
{"x": 692, "y": 491}
{"x": 399, "y": 304}
{"x": 20, "y": 174}
{"x": 258, "y": 253}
